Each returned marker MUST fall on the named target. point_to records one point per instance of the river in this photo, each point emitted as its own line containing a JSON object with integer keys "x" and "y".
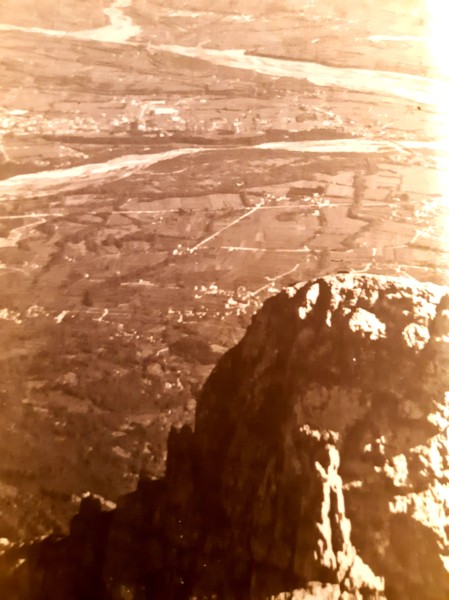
{"x": 73, "y": 178}
{"x": 121, "y": 29}
{"x": 421, "y": 90}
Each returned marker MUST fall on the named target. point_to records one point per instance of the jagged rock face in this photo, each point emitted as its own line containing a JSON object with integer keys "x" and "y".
{"x": 359, "y": 365}
{"x": 318, "y": 467}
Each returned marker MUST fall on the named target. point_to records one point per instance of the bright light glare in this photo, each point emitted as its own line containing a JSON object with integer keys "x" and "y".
{"x": 439, "y": 39}
{"x": 438, "y": 11}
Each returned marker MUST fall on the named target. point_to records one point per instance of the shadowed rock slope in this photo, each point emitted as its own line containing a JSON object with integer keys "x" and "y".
{"x": 318, "y": 467}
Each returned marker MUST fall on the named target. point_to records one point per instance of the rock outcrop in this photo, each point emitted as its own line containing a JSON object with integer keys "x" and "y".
{"x": 318, "y": 467}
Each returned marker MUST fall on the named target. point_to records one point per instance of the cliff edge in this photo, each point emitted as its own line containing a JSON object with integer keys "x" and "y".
{"x": 318, "y": 467}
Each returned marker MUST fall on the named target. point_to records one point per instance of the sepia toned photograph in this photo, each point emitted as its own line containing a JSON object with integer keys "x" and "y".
{"x": 224, "y": 300}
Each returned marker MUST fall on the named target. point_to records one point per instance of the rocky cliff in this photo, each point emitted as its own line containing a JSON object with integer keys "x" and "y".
{"x": 318, "y": 467}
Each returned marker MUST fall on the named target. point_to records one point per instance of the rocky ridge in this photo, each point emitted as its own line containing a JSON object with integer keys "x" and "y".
{"x": 317, "y": 467}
